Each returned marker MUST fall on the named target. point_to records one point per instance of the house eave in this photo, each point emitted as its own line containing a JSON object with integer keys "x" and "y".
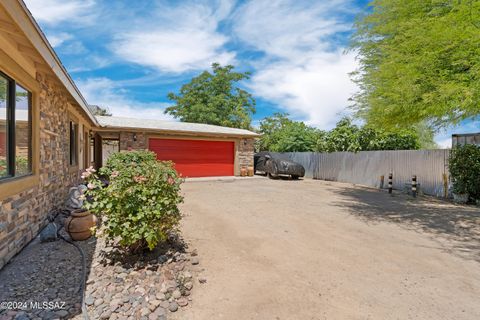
{"x": 178, "y": 132}
{"x": 27, "y": 24}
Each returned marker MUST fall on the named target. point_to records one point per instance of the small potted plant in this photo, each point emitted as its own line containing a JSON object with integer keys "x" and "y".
{"x": 81, "y": 221}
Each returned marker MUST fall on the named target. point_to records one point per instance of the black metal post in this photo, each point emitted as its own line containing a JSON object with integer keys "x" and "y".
{"x": 414, "y": 186}
{"x": 390, "y": 182}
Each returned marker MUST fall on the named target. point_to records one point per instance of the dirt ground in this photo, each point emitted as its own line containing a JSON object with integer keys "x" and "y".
{"x": 276, "y": 249}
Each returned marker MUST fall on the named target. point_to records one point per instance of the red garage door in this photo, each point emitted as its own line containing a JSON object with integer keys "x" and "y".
{"x": 196, "y": 158}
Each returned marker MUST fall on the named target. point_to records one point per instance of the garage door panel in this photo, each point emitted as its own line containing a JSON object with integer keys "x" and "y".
{"x": 196, "y": 158}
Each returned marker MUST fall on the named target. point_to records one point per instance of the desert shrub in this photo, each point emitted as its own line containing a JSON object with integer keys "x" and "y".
{"x": 139, "y": 203}
{"x": 464, "y": 166}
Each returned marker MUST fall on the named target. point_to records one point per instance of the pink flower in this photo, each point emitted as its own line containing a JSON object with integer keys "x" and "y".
{"x": 91, "y": 169}
{"x": 139, "y": 179}
{"x": 90, "y": 186}
{"x": 85, "y": 174}
{"x": 170, "y": 180}
{"x": 114, "y": 174}
{"x": 88, "y": 172}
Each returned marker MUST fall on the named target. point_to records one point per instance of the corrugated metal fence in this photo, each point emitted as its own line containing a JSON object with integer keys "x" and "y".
{"x": 366, "y": 167}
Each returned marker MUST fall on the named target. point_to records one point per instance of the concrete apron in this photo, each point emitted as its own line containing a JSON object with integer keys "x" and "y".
{"x": 223, "y": 178}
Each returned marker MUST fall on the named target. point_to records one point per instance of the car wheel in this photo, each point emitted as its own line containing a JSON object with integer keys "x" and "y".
{"x": 294, "y": 177}
{"x": 273, "y": 174}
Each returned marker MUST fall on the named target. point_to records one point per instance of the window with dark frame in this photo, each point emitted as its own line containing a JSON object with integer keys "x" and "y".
{"x": 15, "y": 129}
{"x": 73, "y": 143}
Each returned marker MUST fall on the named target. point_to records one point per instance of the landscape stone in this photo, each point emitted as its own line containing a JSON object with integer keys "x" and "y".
{"x": 173, "y": 306}
{"x": 182, "y": 302}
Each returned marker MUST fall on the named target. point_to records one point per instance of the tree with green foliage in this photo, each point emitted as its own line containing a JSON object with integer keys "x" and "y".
{"x": 3, "y": 90}
{"x": 213, "y": 98}
{"x": 347, "y": 136}
{"x": 419, "y": 63}
{"x": 281, "y": 134}
{"x": 99, "y": 111}
{"x": 344, "y": 137}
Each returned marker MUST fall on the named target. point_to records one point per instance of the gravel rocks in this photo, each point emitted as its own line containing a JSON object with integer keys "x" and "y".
{"x": 47, "y": 272}
{"x": 182, "y": 302}
{"x": 118, "y": 286}
{"x": 147, "y": 286}
{"x": 173, "y": 306}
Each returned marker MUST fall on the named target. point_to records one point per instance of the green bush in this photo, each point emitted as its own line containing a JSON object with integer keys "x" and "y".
{"x": 21, "y": 163}
{"x": 140, "y": 202}
{"x": 464, "y": 166}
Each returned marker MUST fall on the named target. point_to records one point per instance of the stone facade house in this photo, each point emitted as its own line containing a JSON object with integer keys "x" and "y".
{"x": 48, "y": 136}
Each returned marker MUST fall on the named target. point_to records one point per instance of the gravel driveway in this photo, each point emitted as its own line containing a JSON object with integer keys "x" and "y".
{"x": 276, "y": 249}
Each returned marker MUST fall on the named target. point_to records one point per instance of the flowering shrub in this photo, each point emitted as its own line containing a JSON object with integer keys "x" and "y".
{"x": 139, "y": 202}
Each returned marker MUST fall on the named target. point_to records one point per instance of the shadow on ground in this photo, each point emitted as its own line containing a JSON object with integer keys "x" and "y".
{"x": 151, "y": 260}
{"x": 44, "y": 280}
{"x": 457, "y": 223}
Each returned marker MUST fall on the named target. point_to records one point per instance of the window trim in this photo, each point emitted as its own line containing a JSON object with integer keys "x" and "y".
{"x": 10, "y": 123}
{"x": 75, "y": 154}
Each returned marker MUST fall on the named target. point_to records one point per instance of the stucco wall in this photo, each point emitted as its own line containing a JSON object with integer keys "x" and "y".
{"x": 22, "y": 215}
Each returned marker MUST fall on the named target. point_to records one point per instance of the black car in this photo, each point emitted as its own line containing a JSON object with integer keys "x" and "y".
{"x": 275, "y": 165}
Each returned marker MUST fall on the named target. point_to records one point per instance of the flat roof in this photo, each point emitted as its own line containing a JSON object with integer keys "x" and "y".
{"x": 172, "y": 126}
{"x": 465, "y": 134}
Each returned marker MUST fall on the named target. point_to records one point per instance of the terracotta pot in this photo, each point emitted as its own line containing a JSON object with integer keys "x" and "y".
{"x": 250, "y": 171}
{"x": 243, "y": 172}
{"x": 79, "y": 223}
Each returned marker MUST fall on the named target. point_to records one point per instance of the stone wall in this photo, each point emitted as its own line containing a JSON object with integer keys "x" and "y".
{"x": 245, "y": 152}
{"x": 24, "y": 214}
{"x": 133, "y": 141}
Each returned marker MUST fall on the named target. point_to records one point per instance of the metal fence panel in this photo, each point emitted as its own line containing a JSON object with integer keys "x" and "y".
{"x": 309, "y": 160}
{"x": 366, "y": 167}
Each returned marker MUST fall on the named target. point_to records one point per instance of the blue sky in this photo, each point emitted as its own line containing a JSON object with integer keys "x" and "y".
{"x": 128, "y": 55}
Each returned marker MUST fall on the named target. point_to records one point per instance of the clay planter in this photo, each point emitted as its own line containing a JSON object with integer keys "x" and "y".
{"x": 79, "y": 223}
{"x": 250, "y": 171}
{"x": 243, "y": 172}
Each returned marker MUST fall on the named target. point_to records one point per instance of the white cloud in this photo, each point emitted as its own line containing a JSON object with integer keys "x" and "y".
{"x": 317, "y": 89}
{"x": 444, "y": 143}
{"x": 173, "y": 51}
{"x": 177, "y": 39}
{"x": 288, "y": 28}
{"x": 56, "y": 11}
{"x": 57, "y": 39}
{"x": 305, "y": 70}
{"x": 105, "y": 93}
